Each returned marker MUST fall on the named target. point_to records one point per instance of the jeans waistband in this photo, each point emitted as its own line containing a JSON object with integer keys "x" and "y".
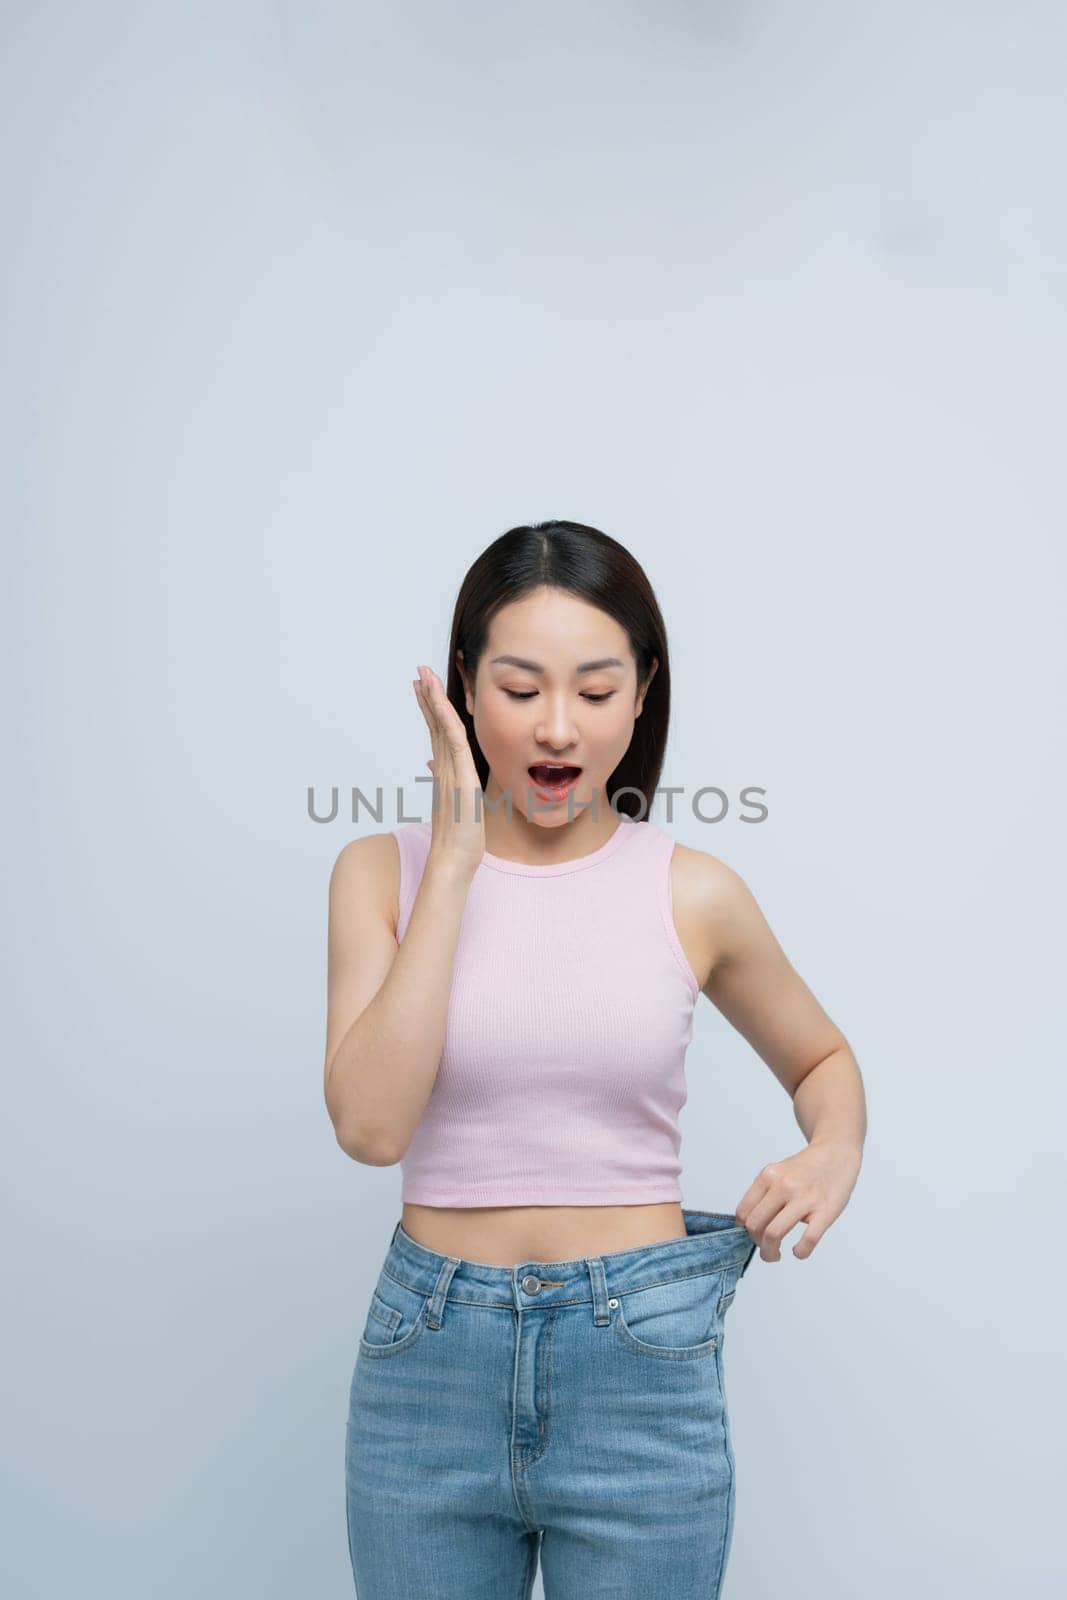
{"x": 715, "y": 1242}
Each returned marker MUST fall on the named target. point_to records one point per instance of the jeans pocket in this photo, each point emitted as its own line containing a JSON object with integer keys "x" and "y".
{"x": 674, "y": 1321}
{"x": 395, "y": 1318}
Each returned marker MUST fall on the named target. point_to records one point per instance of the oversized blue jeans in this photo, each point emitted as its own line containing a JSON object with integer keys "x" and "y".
{"x": 572, "y": 1411}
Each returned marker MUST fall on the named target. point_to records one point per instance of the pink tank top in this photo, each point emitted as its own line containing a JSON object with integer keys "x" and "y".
{"x": 571, "y": 1009}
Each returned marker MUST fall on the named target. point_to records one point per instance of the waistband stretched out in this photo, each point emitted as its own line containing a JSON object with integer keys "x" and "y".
{"x": 714, "y": 1242}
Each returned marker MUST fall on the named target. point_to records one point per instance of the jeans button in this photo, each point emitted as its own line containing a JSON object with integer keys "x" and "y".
{"x": 531, "y": 1284}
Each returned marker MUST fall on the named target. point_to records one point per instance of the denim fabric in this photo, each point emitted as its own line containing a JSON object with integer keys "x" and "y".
{"x": 569, "y": 1410}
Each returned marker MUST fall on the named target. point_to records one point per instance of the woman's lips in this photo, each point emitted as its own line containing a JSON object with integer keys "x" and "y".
{"x": 554, "y": 783}
{"x": 542, "y": 774}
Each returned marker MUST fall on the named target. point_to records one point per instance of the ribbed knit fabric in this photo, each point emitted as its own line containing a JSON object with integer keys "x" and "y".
{"x": 571, "y": 1010}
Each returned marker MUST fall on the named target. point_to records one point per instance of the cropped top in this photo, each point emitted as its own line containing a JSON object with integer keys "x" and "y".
{"x": 570, "y": 1013}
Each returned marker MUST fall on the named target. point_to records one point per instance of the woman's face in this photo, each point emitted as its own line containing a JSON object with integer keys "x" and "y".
{"x": 539, "y": 706}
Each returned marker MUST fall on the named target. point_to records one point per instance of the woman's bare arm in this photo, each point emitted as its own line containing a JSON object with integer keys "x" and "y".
{"x": 387, "y": 1003}
{"x": 758, "y": 991}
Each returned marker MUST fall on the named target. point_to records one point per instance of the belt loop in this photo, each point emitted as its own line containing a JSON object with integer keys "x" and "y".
{"x": 599, "y": 1284}
{"x": 436, "y": 1303}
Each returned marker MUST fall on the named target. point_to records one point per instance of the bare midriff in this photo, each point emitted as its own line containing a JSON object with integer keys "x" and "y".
{"x": 509, "y": 1236}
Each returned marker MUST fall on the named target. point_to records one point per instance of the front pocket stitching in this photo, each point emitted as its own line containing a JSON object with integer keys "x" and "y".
{"x": 384, "y": 1314}
{"x": 690, "y": 1352}
{"x": 395, "y": 1348}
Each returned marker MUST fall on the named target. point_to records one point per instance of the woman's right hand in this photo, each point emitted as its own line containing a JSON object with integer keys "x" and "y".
{"x": 458, "y": 826}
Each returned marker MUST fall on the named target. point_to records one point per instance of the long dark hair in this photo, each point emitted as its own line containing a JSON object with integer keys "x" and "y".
{"x": 585, "y": 562}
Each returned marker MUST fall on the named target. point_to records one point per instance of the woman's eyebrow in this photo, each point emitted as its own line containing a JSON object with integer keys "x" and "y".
{"x": 533, "y": 666}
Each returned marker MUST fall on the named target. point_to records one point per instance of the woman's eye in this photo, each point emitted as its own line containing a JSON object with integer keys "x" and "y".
{"x": 595, "y": 699}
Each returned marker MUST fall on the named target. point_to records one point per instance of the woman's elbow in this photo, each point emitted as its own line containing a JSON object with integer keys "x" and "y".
{"x": 367, "y": 1151}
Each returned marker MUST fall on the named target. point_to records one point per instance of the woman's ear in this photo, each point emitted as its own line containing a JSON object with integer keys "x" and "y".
{"x": 644, "y": 687}
{"x": 468, "y": 688}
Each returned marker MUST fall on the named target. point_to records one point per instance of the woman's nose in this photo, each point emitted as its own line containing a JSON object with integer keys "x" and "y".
{"x": 558, "y": 731}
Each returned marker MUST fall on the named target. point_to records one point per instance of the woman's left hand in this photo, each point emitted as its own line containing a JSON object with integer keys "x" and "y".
{"x": 813, "y": 1187}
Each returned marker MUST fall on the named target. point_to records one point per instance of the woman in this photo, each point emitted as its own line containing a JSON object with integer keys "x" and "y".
{"x": 511, "y": 995}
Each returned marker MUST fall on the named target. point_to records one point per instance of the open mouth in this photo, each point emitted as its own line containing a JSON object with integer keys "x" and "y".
{"x": 550, "y": 776}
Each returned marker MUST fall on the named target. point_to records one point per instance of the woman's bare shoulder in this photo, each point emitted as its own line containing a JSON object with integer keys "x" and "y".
{"x": 701, "y": 873}
{"x": 370, "y": 866}
{"x": 708, "y": 898}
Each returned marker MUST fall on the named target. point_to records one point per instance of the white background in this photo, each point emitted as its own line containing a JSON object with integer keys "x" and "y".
{"x": 302, "y": 305}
